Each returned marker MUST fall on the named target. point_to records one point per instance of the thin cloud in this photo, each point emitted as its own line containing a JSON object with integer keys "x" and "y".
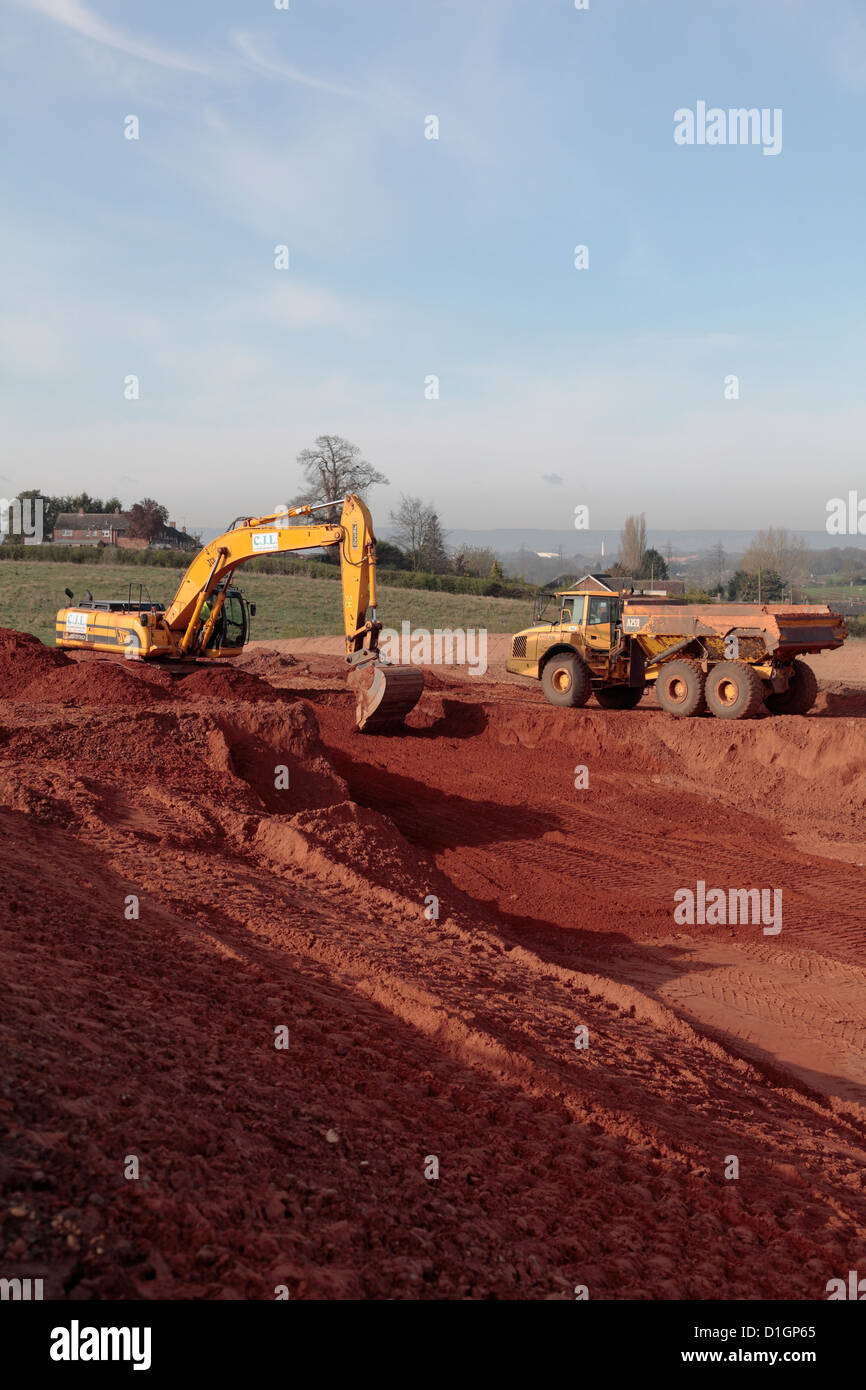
{"x": 848, "y": 54}
{"x": 272, "y": 67}
{"x": 295, "y": 305}
{"x": 552, "y": 478}
{"x": 82, "y": 20}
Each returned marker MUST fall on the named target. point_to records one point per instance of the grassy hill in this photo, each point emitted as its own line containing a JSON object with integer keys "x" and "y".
{"x": 287, "y": 605}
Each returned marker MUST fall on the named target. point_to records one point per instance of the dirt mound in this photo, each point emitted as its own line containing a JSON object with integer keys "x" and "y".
{"x": 841, "y": 701}
{"x": 434, "y": 681}
{"x": 225, "y": 683}
{"x": 352, "y": 846}
{"x": 96, "y": 683}
{"x": 277, "y": 752}
{"x": 807, "y": 766}
{"x": 25, "y": 660}
{"x": 267, "y": 663}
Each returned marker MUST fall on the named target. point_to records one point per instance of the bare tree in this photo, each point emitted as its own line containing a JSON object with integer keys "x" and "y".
{"x": 632, "y": 544}
{"x": 478, "y": 560}
{"x": 412, "y": 523}
{"x": 779, "y": 551}
{"x": 332, "y": 469}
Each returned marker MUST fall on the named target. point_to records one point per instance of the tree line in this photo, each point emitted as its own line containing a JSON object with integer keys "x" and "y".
{"x": 775, "y": 564}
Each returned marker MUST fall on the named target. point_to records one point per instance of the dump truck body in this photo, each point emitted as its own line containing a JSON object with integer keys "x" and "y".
{"x": 764, "y": 630}
{"x": 629, "y": 642}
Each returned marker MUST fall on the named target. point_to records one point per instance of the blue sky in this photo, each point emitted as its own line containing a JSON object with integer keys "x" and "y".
{"x": 453, "y": 257}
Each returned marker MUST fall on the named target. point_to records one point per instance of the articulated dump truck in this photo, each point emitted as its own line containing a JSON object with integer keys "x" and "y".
{"x": 732, "y": 659}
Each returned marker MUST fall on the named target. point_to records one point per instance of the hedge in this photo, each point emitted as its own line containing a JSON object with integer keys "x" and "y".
{"x": 265, "y": 564}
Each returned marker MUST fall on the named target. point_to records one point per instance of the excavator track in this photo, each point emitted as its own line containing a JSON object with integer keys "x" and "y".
{"x": 384, "y": 694}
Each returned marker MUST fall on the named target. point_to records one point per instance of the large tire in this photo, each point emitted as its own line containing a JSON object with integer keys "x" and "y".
{"x": 680, "y": 688}
{"x": 619, "y": 696}
{"x": 800, "y": 695}
{"x": 734, "y": 690}
{"x": 565, "y": 680}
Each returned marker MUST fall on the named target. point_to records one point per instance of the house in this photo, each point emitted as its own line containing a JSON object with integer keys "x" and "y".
{"x": 170, "y": 538}
{"x": 616, "y": 584}
{"x": 110, "y": 528}
{"x": 89, "y": 528}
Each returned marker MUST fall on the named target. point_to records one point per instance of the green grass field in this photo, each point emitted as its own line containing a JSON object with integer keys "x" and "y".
{"x": 830, "y": 593}
{"x": 287, "y": 606}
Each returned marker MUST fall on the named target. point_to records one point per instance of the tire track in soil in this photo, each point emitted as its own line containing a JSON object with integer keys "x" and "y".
{"x": 606, "y": 872}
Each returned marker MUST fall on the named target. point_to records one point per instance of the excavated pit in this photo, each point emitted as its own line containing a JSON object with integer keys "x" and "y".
{"x": 430, "y": 916}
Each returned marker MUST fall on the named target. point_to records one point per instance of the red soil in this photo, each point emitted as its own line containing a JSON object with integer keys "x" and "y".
{"x": 413, "y": 1035}
{"x": 22, "y": 659}
{"x": 97, "y": 684}
{"x": 223, "y": 683}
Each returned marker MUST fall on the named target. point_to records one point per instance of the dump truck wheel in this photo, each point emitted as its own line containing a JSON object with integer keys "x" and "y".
{"x": 565, "y": 680}
{"x": 619, "y": 696}
{"x": 680, "y": 688}
{"x": 734, "y": 690}
{"x": 800, "y": 695}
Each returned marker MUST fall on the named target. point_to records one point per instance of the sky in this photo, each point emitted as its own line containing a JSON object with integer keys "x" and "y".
{"x": 411, "y": 258}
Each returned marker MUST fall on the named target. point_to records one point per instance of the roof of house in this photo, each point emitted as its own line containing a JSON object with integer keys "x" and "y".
{"x": 590, "y": 583}
{"x": 171, "y": 533}
{"x": 614, "y": 584}
{"x": 82, "y": 521}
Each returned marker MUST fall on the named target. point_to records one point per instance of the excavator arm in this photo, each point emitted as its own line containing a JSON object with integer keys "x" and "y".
{"x": 252, "y": 537}
{"x": 384, "y": 694}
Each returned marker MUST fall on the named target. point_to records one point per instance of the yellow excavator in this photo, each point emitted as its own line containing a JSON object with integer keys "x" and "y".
{"x": 209, "y": 618}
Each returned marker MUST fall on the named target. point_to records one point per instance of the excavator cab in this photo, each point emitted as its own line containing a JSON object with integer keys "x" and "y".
{"x": 232, "y": 627}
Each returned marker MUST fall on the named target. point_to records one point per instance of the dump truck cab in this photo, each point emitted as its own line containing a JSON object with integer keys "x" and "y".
{"x": 586, "y": 619}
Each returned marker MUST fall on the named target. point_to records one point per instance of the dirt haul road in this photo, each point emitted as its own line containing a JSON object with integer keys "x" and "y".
{"x": 169, "y": 905}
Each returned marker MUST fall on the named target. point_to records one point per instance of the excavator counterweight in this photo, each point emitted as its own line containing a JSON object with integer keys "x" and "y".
{"x": 209, "y": 618}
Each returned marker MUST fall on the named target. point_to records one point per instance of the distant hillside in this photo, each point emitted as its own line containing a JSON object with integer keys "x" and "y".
{"x": 589, "y": 542}
{"x": 508, "y": 541}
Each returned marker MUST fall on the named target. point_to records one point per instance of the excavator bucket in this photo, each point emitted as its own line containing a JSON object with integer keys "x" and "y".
{"x": 385, "y": 694}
